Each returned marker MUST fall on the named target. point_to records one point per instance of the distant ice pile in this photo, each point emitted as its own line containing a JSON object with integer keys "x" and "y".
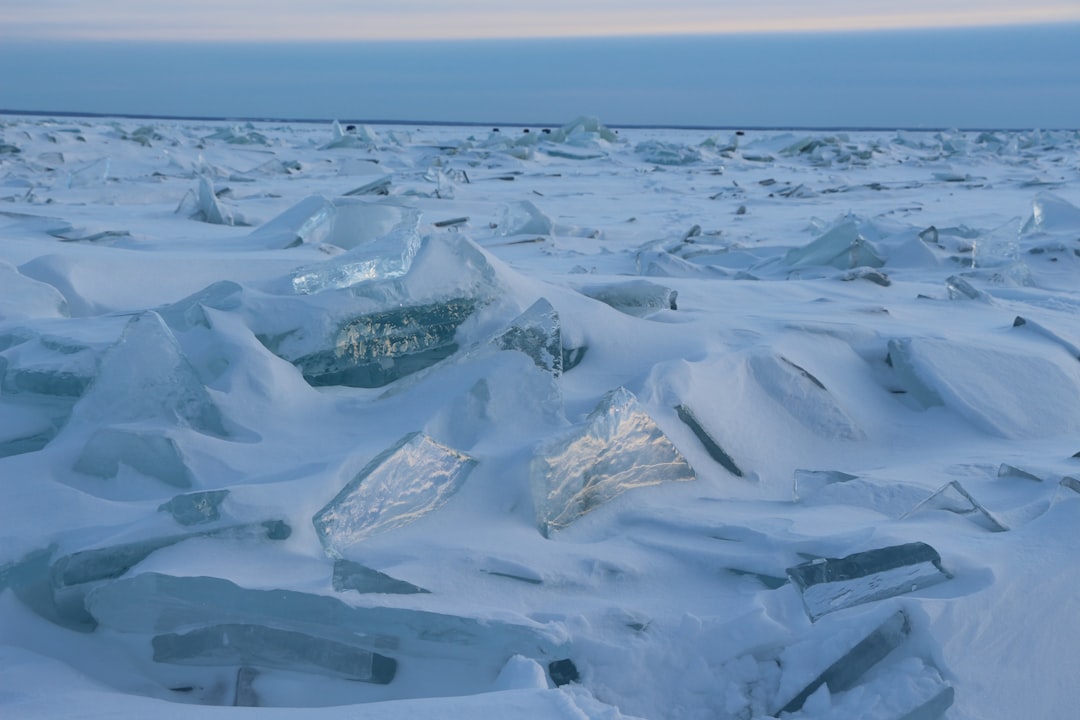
{"x": 562, "y": 423}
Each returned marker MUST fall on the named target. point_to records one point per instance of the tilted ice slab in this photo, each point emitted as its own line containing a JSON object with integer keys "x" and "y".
{"x": 25, "y": 297}
{"x": 152, "y": 603}
{"x": 411, "y": 479}
{"x": 378, "y": 329}
{"x": 1052, "y": 214}
{"x": 619, "y": 449}
{"x": 831, "y": 584}
{"x": 1003, "y": 392}
{"x": 848, "y": 243}
{"x": 537, "y": 332}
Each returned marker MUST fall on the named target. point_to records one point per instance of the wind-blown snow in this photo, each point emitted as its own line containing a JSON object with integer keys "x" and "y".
{"x": 569, "y": 423}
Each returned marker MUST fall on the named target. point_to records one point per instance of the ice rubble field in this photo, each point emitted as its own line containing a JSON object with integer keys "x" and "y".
{"x": 559, "y": 424}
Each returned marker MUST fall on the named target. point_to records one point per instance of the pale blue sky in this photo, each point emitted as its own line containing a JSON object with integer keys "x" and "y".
{"x": 317, "y": 59}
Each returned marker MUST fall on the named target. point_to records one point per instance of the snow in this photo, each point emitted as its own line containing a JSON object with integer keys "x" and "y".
{"x": 578, "y": 395}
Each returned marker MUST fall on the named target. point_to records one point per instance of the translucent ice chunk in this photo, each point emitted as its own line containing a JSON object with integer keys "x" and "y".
{"x": 619, "y": 449}
{"x": 52, "y": 366}
{"x": 715, "y": 451}
{"x": 156, "y": 603}
{"x": 238, "y": 644}
{"x": 195, "y": 508}
{"x": 310, "y": 221}
{"x": 1050, "y": 213}
{"x": 148, "y": 451}
{"x": 245, "y": 688}
{"x": 401, "y": 485}
{"x": 349, "y": 575}
{"x": 636, "y": 297}
{"x": 146, "y": 376}
{"x": 523, "y": 218}
{"x": 808, "y": 482}
{"x": 1046, "y": 332}
{"x": 853, "y": 658}
{"x": 191, "y": 311}
{"x": 25, "y": 298}
{"x": 830, "y": 584}
{"x": 90, "y": 174}
{"x": 667, "y": 153}
{"x": 537, "y": 333}
{"x": 960, "y": 289}
{"x": 207, "y": 207}
{"x": 954, "y": 498}
{"x": 846, "y": 244}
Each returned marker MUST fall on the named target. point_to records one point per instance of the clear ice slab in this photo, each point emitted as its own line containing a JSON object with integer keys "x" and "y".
{"x": 852, "y": 660}
{"x": 261, "y": 646}
{"x": 847, "y": 244}
{"x": 195, "y": 508}
{"x": 537, "y": 333}
{"x": 349, "y": 575}
{"x": 145, "y": 376}
{"x": 149, "y": 452}
{"x": 955, "y": 499}
{"x": 409, "y": 480}
{"x": 715, "y": 451}
{"x": 619, "y": 449}
{"x": 639, "y": 298}
{"x": 830, "y": 584}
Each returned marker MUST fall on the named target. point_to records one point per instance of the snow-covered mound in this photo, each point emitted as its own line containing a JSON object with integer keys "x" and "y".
{"x": 569, "y": 423}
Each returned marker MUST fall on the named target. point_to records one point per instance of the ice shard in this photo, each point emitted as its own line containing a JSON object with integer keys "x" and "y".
{"x": 206, "y": 207}
{"x": 150, "y": 452}
{"x": 715, "y": 451}
{"x": 960, "y": 289}
{"x": 1046, "y": 332}
{"x": 1006, "y": 470}
{"x": 156, "y": 603}
{"x": 24, "y": 298}
{"x": 195, "y": 508}
{"x": 619, "y": 449}
{"x": 537, "y": 333}
{"x": 851, "y": 660}
{"x": 145, "y": 376}
{"x": 245, "y": 688}
{"x": 261, "y": 646}
{"x": 383, "y": 258}
{"x": 1050, "y": 213}
{"x": 802, "y": 395}
{"x": 830, "y": 584}
{"x": 47, "y": 365}
{"x": 523, "y": 218}
{"x": 409, "y": 480}
{"x": 807, "y": 482}
{"x": 190, "y": 312}
{"x": 639, "y": 298}
{"x": 955, "y": 499}
{"x": 309, "y": 222}
{"x": 848, "y": 243}
{"x": 349, "y": 575}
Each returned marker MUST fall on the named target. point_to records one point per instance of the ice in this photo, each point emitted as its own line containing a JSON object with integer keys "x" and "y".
{"x": 391, "y": 327}
{"x": 383, "y": 240}
{"x": 1046, "y": 332}
{"x": 954, "y": 498}
{"x": 808, "y": 482}
{"x": 261, "y": 646}
{"x": 360, "y": 137}
{"x": 711, "y": 447}
{"x": 1051, "y": 213}
{"x": 195, "y": 508}
{"x": 851, "y": 658}
{"x": 310, "y": 221}
{"x": 639, "y": 298}
{"x": 848, "y": 243}
{"x": 156, "y": 603}
{"x": 190, "y": 312}
{"x": 803, "y": 396}
{"x": 831, "y": 584}
{"x": 239, "y": 135}
{"x": 204, "y": 206}
{"x": 619, "y": 448}
{"x": 24, "y": 298}
{"x": 145, "y": 376}
{"x": 523, "y": 218}
{"x": 47, "y": 365}
{"x": 146, "y": 451}
{"x": 665, "y": 153}
{"x": 960, "y": 289}
{"x": 537, "y": 333}
{"x": 1011, "y": 471}
{"x": 90, "y": 174}
{"x": 349, "y": 575}
{"x": 1004, "y": 392}
{"x": 409, "y": 480}
{"x": 245, "y": 690}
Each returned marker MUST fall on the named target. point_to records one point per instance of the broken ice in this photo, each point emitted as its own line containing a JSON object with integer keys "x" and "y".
{"x": 538, "y": 334}
{"x": 195, "y": 508}
{"x": 715, "y": 451}
{"x": 241, "y": 644}
{"x": 401, "y": 485}
{"x": 639, "y": 298}
{"x": 619, "y": 449}
{"x": 349, "y": 575}
{"x": 830, "y": 584}
{"x": 954, "y": 498}
{"x": 148, "y": 451}
{"x": 847, "y": 244}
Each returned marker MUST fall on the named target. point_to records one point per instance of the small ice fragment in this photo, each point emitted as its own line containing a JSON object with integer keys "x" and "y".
{"x": 961, "y": 289}
{"x": 93, "y": 173}
{"x": 954, "y": 498}
{"x": 244, "y": 644}
{"x": 310, "y": 221}
{"x": 190, "y": 312}
{"x": 808, "y": 482}
{"x": 1006, "y": 470}
{"x": 523, "y": 218}
{"x": 1071, "y": 483}
{"x": 195, "y": 508}
{"x": 537, "y": 333}
{"x": 409, "y": 480}
{"x": 830, "y": 584}
{"x": 844, "y": 245}
{"x": 349, "y": 575}
{"x": 863, "y": 273}
{"x": 715, "y": 451}
{"x": 639, "y": 298}
{"x": 148, "y": 451}
{"x": 619, "y": 449}
{"x": 856, "y": 660}
{"x": 245, "y": 688}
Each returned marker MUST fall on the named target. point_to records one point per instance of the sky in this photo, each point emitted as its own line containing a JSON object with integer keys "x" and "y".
{"x": 717, "y": 63}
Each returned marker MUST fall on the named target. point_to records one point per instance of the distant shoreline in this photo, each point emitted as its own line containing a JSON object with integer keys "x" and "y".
{"x": 494, "y": 124}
